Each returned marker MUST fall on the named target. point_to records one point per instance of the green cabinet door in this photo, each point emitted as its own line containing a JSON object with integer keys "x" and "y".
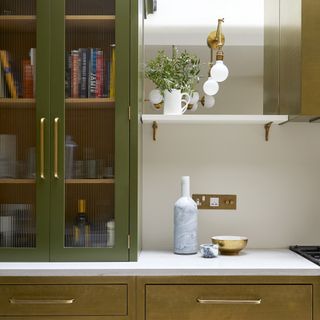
{"x": 90, "y": 92}
{"x": 24, "y": 130}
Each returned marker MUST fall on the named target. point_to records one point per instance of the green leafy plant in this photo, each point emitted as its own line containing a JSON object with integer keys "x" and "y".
{"x": 179, "y": 72}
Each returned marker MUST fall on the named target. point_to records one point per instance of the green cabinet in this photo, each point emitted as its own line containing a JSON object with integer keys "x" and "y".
{"x": 69, "y": 130}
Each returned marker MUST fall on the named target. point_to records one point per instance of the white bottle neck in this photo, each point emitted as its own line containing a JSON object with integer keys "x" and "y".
{"x": 185, "y": 187}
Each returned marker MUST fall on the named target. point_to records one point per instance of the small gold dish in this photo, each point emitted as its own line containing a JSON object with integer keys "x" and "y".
{"x": 230, "y": 245}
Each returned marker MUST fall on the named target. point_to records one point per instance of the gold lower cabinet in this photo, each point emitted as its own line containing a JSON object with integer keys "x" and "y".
{"x": 172, "y": 298}
{"x": 68, "y": 298}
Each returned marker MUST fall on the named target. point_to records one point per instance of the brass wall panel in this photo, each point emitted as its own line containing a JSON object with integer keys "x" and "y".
{"x": 310, "y": 57}
{"x": 271, "y": 57}
{"x": 290, "y": 57}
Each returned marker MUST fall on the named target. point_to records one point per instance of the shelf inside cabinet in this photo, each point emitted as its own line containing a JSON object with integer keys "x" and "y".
{"x": 17, "y": 181}
{"x": 17, "y": 103}
{"x": 90, "y": 21}
{"x": 90, "y": 181}
{"x": 89, "y": 103}
{"x": 18, "y": 23}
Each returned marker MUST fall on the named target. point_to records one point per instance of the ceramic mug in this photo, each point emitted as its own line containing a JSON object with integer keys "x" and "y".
{"x": 173, "y": 101}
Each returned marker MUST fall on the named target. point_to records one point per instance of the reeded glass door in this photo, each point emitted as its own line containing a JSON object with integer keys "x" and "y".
{"x": 24, "y": 111}
{"x": 92, "y": 129}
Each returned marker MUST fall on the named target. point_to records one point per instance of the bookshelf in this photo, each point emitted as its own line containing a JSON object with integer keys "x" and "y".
{"x": 90, "y": 103}
{"x": 90, "y": 22}
{"x": 21, "y": 103}
{"x": 17, "y": 181}
{"x": 18, "y": 23}
{"x": 90, "y": 181}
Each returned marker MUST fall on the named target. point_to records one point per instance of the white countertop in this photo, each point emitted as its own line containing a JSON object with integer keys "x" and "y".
{"x": 164, "y": 263}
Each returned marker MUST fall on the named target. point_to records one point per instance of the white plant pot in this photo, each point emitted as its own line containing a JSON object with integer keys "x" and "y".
{"x": 175, "y": 102}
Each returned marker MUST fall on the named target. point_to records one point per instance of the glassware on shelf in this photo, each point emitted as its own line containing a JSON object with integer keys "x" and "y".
{"x": 8, "y": 156}
{"x": 110, "y": 233}
{"x": 17, "y": 226}
{"x": 31, "y": 163}
{"x": 70, "y": 146}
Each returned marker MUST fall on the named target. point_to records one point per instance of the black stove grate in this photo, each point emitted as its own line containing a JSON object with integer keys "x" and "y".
{"x": 311, "y": 253}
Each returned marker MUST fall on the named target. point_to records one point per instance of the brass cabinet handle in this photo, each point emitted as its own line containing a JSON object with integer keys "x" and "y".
{"x": 41, "y": 301}
{"x": 56, "y": 147}
{"x": 226, "y": 301}
{"x": 42, "y": 124}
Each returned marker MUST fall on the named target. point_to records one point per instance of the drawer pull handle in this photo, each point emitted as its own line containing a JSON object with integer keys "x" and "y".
{"x": 42, "y": 301}
{"x": 224, "y": 301}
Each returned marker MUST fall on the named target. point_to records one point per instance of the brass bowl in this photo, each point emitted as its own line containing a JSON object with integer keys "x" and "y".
{"x": 230, "y": 245}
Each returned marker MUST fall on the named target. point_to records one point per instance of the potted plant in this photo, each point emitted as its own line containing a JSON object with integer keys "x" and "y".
{"x": 175, "y": 78}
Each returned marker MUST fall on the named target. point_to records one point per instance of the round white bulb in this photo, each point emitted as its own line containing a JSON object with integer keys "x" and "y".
{"x": 155, "y": 96}
{"x": 211, "y": 87}
{"x": 194, "y": 107}
{"x": 209, "y": 101}
{"x": 194, "y": 98}
{"x": 219, "y": 71}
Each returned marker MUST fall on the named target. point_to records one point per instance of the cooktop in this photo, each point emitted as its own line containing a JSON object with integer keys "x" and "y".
{"x": 311, "y": 253}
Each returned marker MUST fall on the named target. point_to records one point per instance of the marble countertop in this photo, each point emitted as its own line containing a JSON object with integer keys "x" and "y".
{"x": 280, "y": 262}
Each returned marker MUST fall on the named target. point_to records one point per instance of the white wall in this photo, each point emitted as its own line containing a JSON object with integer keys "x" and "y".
{"x": 277, "y": 182}
{"x": 188, "y": 22}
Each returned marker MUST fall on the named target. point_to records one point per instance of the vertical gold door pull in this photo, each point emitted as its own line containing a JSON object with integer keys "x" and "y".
{"x": 56, "y": 148}
{"x": 42, "y": 124}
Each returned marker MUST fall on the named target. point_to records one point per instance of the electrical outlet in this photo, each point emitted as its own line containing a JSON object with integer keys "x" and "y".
{"x": 215, "y": 201}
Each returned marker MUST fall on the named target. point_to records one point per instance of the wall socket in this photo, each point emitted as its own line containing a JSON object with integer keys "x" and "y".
{"x": 215, "y": 201}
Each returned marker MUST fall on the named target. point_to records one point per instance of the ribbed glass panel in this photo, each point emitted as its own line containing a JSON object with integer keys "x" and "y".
{"x": 90, "y": 123}
{"x": 17, "y": 123}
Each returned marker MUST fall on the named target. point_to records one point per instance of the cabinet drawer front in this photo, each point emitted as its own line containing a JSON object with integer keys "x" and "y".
{"x": 229, "y": 302}
{"x": 36, "y": 300}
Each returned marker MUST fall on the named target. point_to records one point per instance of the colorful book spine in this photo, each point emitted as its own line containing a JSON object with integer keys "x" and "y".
{"x": 84, "y": 72}
{"x": 2, "y": 84}
{"x": 99, "y": 78}
{"x": 67, "y": 75}
{"x": 75, "y": 79}
{"x": 113, "y": 73}
{"x": 107, "y": 79}
{"x": 33, "y": 65}
{"x": 27, "y": 79}
{"x": 93, "y": 73}
{"x": 4, "y": 57}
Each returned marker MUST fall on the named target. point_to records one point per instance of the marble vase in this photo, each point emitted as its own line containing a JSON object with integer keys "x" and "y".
{"x": 185, "y": 221}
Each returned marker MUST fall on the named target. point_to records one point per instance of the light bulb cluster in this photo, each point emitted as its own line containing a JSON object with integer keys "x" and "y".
{"x": 218, "y": 73}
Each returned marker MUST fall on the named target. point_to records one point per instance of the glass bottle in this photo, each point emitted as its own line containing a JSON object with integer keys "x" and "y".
{"x": 185, "y": 221}
{"x": 81, "y": 228}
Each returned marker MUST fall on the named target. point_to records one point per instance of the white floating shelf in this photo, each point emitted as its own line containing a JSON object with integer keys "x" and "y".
{"x": 214, "y": 119}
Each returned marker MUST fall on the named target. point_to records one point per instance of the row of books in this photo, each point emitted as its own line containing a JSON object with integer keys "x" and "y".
{"x": 12, "y": 83}
{"x": 90, "y": 73}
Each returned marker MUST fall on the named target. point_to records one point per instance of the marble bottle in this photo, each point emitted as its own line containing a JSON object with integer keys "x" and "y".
{"x": 185, "y": 221}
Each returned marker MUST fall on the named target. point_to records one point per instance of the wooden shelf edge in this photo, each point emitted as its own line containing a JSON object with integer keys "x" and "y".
{"x": 213, "y": 119}
{"x": 18, "y": 18}
{"x": 90, "y": 17}
{"x": 89, "y": 100}
{"x": 16, "y": 101}
{"x": 17, "y": 181}
{"x": 89, "y": 181}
